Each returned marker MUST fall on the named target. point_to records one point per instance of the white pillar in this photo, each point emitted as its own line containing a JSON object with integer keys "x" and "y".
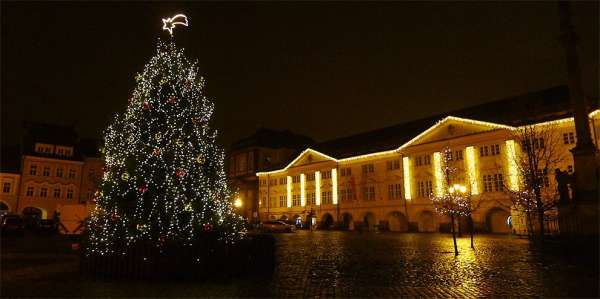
{"x": 406, "y": 169}
{"x": 302, "y": 190}
{"x": 334, "y": 186}
{"x": 318, "y": 188}
{"x": 289, "y": 191}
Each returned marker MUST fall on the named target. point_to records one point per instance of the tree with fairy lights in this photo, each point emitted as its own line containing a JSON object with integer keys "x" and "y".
{"x": 453, "y": 200}
{"x": 164, "y": 181}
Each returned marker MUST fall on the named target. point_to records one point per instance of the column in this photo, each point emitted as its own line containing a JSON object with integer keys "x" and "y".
{"x": 334, "y": 186}
{"x": 302, "y": 190}
{"x": 438, "y": 174}
{"x": 511, "y": 162}
{"x": 289, "y": 191}
{"x": 406, "y": 178}
{"x": 472, "y": 171}
{"x": 318, "y": 188}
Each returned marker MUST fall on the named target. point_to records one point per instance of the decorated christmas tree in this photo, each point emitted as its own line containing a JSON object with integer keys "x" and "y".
{"x": 164, "y": 181}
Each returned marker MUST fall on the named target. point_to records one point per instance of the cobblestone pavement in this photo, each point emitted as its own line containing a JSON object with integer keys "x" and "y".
{"x": 334, "y": 264}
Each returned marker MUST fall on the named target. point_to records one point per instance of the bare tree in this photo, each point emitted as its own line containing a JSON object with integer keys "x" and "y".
{"x": 539, "y": 154}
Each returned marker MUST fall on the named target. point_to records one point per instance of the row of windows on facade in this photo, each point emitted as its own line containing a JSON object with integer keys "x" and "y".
{"x": 59, "y": 172}
{"x": 43, "y": 148}
{"x": 44, "y": 192}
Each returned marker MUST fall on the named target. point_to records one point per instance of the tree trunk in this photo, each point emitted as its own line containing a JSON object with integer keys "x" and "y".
{"x": 540, "y": 210}
{"x": 453, "y": 235}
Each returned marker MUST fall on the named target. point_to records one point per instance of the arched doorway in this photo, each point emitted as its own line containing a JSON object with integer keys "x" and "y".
{"x": 326, "y": 221}
{"x": 32, "y": 215}
{"x": 397, "y": 222}
{"x": 497, "y": 221}
{"x": 369, "y": 221}
{"x": 4, "y": 208}
{"x": 348, "y": 221}
{"x": 427, "y": 222}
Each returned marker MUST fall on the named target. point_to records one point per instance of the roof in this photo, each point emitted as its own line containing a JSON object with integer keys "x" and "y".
{"x": 534, "y": 107}
{"x": 270, "y": 138}
{"x": 89, "y": 147}
{"x": 50, "y": 134}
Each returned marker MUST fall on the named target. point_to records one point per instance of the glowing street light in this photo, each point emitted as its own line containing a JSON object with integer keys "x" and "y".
{"x": 237, "y": 202}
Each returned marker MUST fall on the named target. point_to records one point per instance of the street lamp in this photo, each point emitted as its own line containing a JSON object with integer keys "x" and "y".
{"x": 237, "y": 202}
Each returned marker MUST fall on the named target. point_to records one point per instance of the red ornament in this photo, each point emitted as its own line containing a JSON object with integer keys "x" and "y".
{"x": 162, "y": 240}
{"x": 180, "y": 173}
{"x": 143, "y": 189}
{"x": 114, "y": 215}
{"x": 194, "y": 120}
{"x": 130, "y": 100}
{"x": 146, "y": 106}
{"x": 188, "y": 85}
{"x": 172, "y": 100}
{"x": 208, "y": 227}
{"x": 157, "y": 151}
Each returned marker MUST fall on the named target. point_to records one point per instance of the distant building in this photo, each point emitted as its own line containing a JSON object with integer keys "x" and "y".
{"x": 265, "y": 149}
{"x": 10, "y": 178}
{"x": 384, "y": 178}
{"x": 55, "y": 168}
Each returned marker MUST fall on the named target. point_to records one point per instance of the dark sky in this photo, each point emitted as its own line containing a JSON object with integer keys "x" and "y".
{"x": 322, "y": 69}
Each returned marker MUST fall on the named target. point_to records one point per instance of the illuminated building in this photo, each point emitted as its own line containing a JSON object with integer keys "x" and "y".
{"x": 383, "y": 179}
{"x": 264, "y": 150}
{"x": 55, "y": 169}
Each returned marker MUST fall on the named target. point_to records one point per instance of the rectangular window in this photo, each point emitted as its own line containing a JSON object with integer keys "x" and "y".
{"x": 368, "y": 168}
{"x": 326, "y": 197}
{"x": 33, "y": 169}
{"x": 498, "y": 182}
{"x": 282, "y": 181}
{"x": 71, "y": 173}
{"x": 272, "y": 202}
{"x": 495, "y": 149}
{"x": 296, "y": 179}
{"x": 569, "y": 138}
{"x": 419, "y": 161}
{"x": 312, "y": 199}
{"x": 69, "y": 193}
{"x": 393, "y": 165}
{"x": 346, "y": 171}
{"x": 310, "y": 177}
{"x": 29, "y": 192}
{"x": 487, "y": 183}
{"x": 421, "y": 189}
{"x": 394, "y": 191}
{"x": 59, "y": 172}
{"x": 427, "y": 160}
{"x": 538, "y": 143}
{"x": 458, "y": 155}
{"x": 542, "y": 176}
{"x": 46, "y": 171}
{"x": 369, "y": 193}
{"x": 56, "y": 193}
{"x": 326, "y": 174}
{"x": 44, "y": 192}
{"x": 484, "y": 151}
{"x": 282, "y": 201}
{"x": 428, "y": 188}
{"x": 6, "y": 188}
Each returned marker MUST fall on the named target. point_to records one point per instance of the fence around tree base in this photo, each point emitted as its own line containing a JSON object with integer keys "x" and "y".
{"x": 208, "y": 259}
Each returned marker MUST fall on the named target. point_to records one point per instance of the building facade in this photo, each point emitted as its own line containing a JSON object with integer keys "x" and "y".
{"x": 391, "y": 189}
{"x": 55, "y": 169}
{"x": 265, "y": 149}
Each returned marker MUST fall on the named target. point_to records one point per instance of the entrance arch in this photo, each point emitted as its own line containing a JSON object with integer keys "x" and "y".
{"x": 31, "y": 216}
{"x": 369, "y": 221}
{"x": 4, "y": 208}
{"x": 348, "y": 222}
{"x": 427, "y": 222}
{"x": 397, "y": 222}
{"x": 497, "y": 221}
{"x": 326, "y": 221}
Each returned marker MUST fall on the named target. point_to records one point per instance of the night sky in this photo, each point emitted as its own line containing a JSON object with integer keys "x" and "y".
{"x": 326, "y": 70}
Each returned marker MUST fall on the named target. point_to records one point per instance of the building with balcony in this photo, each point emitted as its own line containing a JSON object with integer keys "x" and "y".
{"x": 385, "y": 179}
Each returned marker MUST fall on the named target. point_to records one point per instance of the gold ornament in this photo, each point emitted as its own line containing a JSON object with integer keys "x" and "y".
{"x": 138, "y": 77}
{"x": 158, "y": 136}
{"x": 125, "y": 176}
{"x": 188, "y": 208}
{"x": 200, "y": 159}
{"x": 130, "y": 139}
{"x": 179, "y": 142}
{"x": 142, "y": 227}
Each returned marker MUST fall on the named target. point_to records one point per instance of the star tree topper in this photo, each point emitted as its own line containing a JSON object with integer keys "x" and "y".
{"x": 170, "y": 23}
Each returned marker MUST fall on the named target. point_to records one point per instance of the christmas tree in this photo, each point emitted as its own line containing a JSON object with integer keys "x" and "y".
{"x": 164, "y": 180}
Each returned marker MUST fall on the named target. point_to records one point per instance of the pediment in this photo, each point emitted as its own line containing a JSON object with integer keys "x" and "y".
{"x": 310, "y": 156}
{"x": 453, "y": 127}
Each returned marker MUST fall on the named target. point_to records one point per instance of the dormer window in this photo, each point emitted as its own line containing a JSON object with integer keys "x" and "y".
{"x": 65, "y": 151}
{"x": 44, "y": 148}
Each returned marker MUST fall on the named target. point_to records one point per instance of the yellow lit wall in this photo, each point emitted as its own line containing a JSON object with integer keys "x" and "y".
{"x": 334, "y": 186}
{"x": 406, "y": 169}
{"x": 438, "y": 174}
{"x": 289, "y": 191}
{"x": 511, "y": 162}
{"x": 318, "y": 188}
{"x": 472, "y": 171}
{"x": 302, "y": 189}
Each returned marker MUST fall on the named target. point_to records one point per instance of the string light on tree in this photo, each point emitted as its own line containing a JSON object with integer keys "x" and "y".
{"x": 153, "y": 189}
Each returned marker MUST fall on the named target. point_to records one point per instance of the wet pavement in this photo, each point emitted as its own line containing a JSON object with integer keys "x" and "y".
{"x": 332, "y": 264}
